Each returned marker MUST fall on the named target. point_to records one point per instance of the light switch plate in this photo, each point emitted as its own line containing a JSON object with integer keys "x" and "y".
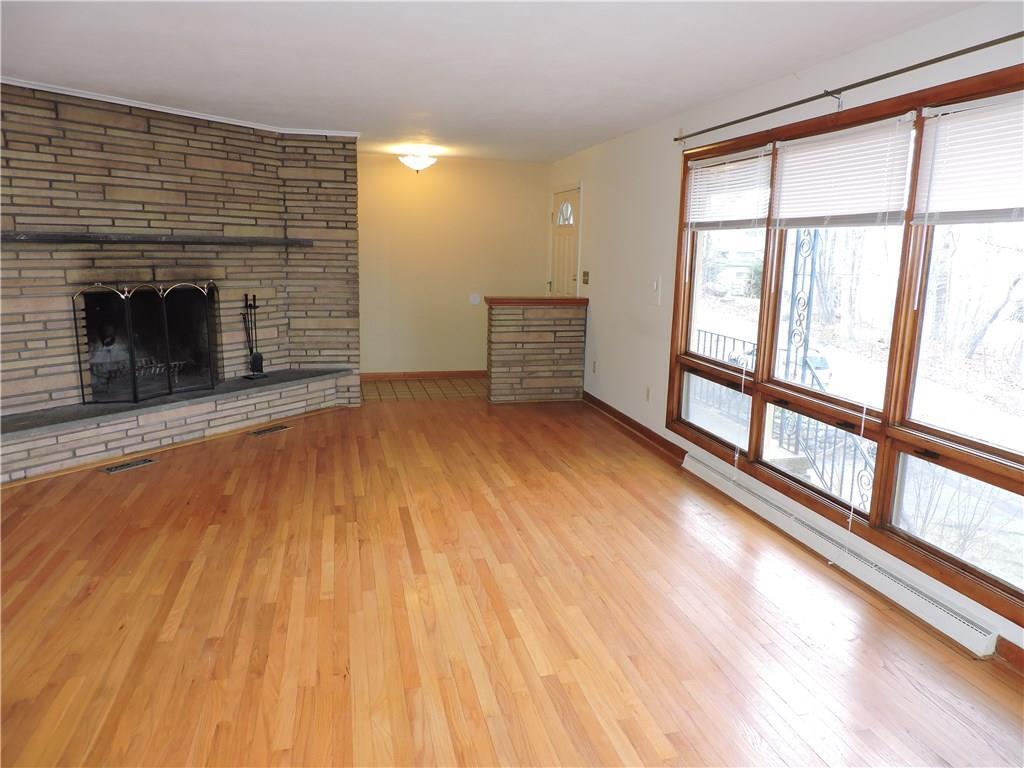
{"x": 474, "y": 298}
{"x": 586, "y": 277}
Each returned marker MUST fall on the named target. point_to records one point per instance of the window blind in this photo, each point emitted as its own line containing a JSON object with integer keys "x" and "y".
{"x": 729, "y": 192}
{"x": 972, "y": 163}
{"x": 855, "y": 176}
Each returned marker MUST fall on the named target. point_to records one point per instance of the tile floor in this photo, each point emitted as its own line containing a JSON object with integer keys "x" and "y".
{"x": 425, "y": 389}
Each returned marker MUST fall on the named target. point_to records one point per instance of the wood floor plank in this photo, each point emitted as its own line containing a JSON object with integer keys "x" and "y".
{"x": 432, "y": 580}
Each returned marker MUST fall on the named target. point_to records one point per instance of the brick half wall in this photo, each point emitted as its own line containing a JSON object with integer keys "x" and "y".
{"x": 535, "y": 348}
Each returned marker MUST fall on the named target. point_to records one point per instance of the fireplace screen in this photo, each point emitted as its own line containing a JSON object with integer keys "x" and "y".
{"x": 143, "y": 342}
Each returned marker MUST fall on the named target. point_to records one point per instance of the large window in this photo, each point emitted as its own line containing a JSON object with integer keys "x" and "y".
{"x": 850, "y": 315}
{"x": 717, "y": 409}
{"x": 728, "y": 204}
{"x": 727, "y": 295}
{"x": 978, "y": 522}
{"x": 840, "y": 201}
{"x": 836, "y": 303}
{"x": 838, "y": 463}
{"x": 970, "y": 370}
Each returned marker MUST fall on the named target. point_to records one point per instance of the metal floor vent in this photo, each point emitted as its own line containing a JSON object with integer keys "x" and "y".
{"x": 901, "y": 582}
{"x": 114, "y": 469}
{"x": 270, "y": 430}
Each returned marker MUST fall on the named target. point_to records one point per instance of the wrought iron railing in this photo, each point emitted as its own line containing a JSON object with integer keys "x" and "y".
{"x": 728, "y": 349}
{"x": 811, "y": 377}
{"x": 835, "y": 457}
{"x": 742, "y": 353}
{"x": 722, "y": 400}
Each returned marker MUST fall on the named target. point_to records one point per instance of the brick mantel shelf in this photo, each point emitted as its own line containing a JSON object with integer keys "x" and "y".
{"x": 535, "y": 347}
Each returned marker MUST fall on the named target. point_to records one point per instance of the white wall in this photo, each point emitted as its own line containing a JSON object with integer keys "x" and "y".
{"x": 630, "y": 185}
{"x": 428, "y": 241}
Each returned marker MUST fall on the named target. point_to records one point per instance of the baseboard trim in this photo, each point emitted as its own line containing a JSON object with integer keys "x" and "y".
{"x": 1009, "y": 655}
{"x": 666, "y": 449}
{"x": 403, "y": 375}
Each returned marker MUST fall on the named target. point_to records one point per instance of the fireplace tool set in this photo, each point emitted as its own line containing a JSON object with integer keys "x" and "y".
{"x": 252, "y": 339}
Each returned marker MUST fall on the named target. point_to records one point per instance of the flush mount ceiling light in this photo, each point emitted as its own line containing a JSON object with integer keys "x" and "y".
{"x": 418, "y": 162}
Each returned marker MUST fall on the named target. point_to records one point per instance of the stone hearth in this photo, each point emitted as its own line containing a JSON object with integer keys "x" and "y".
{"x": 41, "y": 442}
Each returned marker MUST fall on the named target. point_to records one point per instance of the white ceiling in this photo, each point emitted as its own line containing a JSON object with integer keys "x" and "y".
{"x": 531, "y": 81}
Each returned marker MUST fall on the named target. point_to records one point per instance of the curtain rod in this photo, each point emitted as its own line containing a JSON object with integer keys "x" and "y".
{"x": 834, "y": 93}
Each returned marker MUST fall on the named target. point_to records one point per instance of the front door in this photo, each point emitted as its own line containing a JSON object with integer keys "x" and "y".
{"x": 565, "y": 239}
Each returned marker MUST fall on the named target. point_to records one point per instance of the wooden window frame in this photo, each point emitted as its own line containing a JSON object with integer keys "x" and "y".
{"x": 890, "y": 426}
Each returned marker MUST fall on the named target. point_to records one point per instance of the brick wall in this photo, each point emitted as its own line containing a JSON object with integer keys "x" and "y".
{"x": 535, "y": 349}
{"x": 318, "y": 181}
{"x": 76, "y": 165}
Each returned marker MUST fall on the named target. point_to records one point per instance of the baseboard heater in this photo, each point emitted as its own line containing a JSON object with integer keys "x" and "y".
{"x": 855, "y": 558}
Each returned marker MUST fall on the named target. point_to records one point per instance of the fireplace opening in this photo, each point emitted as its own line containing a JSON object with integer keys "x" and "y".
{"x": 147, "y": 341}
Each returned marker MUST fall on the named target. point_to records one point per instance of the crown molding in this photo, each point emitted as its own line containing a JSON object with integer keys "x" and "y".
{"x": 171, "y": 110}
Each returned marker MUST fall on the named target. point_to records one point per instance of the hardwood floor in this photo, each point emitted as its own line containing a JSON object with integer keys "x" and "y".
{"x": 447, "y": 582}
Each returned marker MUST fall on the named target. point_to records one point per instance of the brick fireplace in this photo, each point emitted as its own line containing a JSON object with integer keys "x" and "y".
{"x": 125, "y": 196}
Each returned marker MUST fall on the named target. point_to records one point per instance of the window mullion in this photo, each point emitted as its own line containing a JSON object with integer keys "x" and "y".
{"x": 842, "y": 418}
{"x": 994, "y": 470}
{"x": 709, "y": 369}
{"x": 680, "y": 308}
{"x": 913, "y": 277}
{"x": 899, "y": 371}
{"x": 882, "y": 492}
{"x": 911, "y": 280}
{"x": 966, "y": 443}
{"x": 765, "y": 336}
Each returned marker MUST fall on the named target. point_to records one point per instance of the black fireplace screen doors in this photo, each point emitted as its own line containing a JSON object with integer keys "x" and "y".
{"x": 143, "y": 342}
